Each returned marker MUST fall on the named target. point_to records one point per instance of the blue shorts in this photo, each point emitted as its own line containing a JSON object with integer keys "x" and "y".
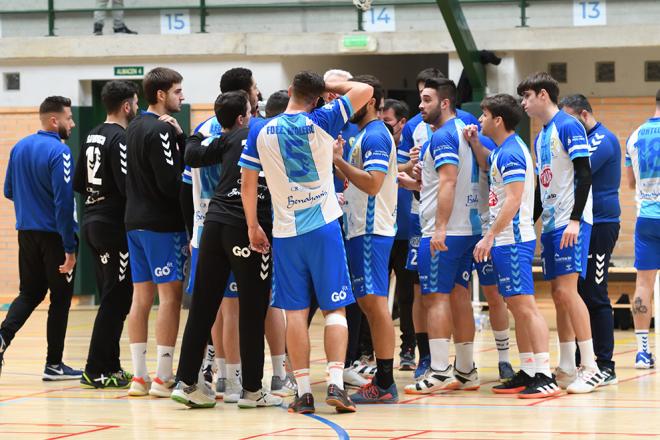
{"x": 312, "y": 263}
{"x": 647, "y": 244}
{"x": 513, "y": 268}
{"x": 487, "y": 276}
{"x": 157, "y": 256}
{"x": 369, "y": 258}
{"x": 231, "y": 290}
{"x": 413, "y": 242}
{"x": 440, "y": 273}
{"x": 557, "y": 262}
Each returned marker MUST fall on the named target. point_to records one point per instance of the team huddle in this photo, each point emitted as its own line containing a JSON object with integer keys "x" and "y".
{"x": 311, "y": 206}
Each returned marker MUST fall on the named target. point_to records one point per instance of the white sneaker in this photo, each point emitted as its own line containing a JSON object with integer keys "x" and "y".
{"x": 352, "y": 379}
{"x": 564, "y": 378}
{"x": 233, "y": 390}
{"x": 432, "y": 381}
{"x": 160, "y": 388}
{"x": 362, "y": 368}
{"x": 587, "y": 380}
{"x": 194, "y": 396}
{"x": 259, "y": 399}
{"x": 286, "y": 387}
{"x": 465, "y": 381}
{"x": 139, "y": 386}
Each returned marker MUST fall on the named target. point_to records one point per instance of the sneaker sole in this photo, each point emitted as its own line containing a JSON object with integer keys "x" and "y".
{"x": 458, "y": 386}
{"x": 539, "y": 395}
{"x": 508, "y": 391}
{"x": 283, "y": 393}
{"x": 160, "y": 394}
{"x": 138, "y": 393}
{"x": 407, "y": 367}
{"x": 581, "y": 391}
{"x": 306, "y": 410}
{"x": 611, "y": 382}
{"x": 339, "y": 405}
{"x": 431, "y": 390}
{"x": 641, "y": 366}
{"x": 190, "y": 403}
{"x": 49, "y": 378}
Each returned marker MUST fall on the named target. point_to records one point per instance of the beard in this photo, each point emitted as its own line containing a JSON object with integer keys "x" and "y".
{"x": 359, "y": 115}
{"x": 432, "y": 116}
{"x": 63, "y": 132}
{"x": 131, "y": 114}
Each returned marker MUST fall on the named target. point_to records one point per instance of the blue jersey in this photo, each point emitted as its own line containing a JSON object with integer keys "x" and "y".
{"x": 605, "y": 173}
{"x": 561, "y": 141}
{"x": 295, "y": 152}
{"x": 349, "y": 133}
{"x": 374, "y": 150}
{"x": 38, "y": 181}
{"x": 643, "y": 155}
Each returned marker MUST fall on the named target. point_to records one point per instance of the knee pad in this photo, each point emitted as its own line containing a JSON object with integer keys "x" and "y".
{"x": 336, "y": 319}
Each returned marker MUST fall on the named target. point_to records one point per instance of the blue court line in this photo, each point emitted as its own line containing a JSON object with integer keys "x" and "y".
{"x": 341, "y": 432}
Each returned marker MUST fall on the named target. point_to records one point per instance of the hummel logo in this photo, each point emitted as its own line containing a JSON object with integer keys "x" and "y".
{"x": 167, "y": 355}
{"x": 164, "y": 136}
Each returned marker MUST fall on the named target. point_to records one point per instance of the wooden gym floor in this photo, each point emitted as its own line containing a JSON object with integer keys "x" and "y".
{"x": 32, "y": 409}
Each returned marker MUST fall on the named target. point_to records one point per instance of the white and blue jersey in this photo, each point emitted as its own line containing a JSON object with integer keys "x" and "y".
{"x": 448, "y": 146}
{"x": 605, "y": 174}
{"x": 295, "y": 153}
{"x": 512, "y": 162}
{"x": 561, "y": 141}
{"x": 643, "y": 155}
{"x": 374, "y": 150}
{"x": 349, "y": 134}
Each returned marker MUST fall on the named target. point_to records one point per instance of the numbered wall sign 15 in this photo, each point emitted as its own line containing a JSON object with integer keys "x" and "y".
{"x": 589, "y": 13}
{"x": 379, "y": 19}
{"x": 175, "y": 21}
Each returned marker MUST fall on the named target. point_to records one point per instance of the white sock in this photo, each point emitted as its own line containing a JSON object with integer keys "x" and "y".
{"x": 642, "y": 340}
{"x": 502, "y": 344}
{"x": 220, "y": 366}
{"x": 439, "y": 354}
{"x": 164, "y": 363}
{"x": 139, "y": 358}
{"x": 527, "y": 364}
{"x": 542, "y": 363}
{"x": 336, "y": 370}
{"x": 464, "y": 356}
{"x": 279, "y": 369}
{"x": 302, "y": 379}
{"x": 210, "y": 354}
{"x": 587, "y": 356}
{"x": 233, "y": 371}
{"x": 567, "y": 356}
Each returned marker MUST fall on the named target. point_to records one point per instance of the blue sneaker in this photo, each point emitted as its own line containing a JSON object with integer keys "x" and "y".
{"x": 372, "y": 393}
{"x": 644, "y": 360}
{"x": 422, "y": 367}
{"x": 60, "y": 372}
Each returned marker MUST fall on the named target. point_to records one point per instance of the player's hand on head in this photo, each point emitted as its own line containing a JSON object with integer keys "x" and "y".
{"x": 570, "y": 236}
{"x": 173, "y": 122}
{"x": 258, "y": 240}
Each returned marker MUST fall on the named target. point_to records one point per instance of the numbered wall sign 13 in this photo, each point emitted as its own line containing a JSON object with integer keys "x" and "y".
{"x": 589, "y": 13}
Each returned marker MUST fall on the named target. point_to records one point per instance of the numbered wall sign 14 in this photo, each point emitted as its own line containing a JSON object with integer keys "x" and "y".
{"x": 379, "y": 19}
{"x": 175, "y": 21}
{"x": 589, "y": 13}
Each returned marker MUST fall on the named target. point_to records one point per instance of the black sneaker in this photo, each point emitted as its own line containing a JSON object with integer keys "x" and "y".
{"x": 516, "y": 384}
{"x": 117, "y": 380}
{"x": 339, "y": 399}
{"x": 124, "y": 30}
{"x": 407, "y": 362}
{"x": 98, "y": 29}
{"x": 542, "y": 387}
{"x": 303, "y": 404}
{"x": 610, "y": 377}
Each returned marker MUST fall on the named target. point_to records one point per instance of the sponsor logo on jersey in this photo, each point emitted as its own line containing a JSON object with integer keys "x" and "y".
{"x": 546, "y": 176}
{"x": 492, "y": 198}
{"x": 241, "y": 252}
{"x": 339, "y": 296}
{"x": 164, "y": 271}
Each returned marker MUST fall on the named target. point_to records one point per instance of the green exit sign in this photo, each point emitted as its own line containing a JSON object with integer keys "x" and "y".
{"x": 358, "y": 43}
{"x": 129, "y": 70}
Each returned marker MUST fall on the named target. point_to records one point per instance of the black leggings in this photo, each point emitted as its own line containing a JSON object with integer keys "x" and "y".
{"x": 225, "y": 248}
{"x": 39, "y": 256}
{"x": 113, "y": 279}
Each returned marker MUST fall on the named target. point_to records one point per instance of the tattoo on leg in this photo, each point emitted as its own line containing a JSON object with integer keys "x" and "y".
{"x": 638, "y": 307}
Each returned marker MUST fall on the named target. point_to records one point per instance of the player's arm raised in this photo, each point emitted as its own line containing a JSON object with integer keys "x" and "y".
{"x": 357, "y": 93}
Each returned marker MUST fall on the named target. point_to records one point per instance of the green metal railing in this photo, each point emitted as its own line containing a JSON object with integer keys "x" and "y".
{"x": 204, "y": 8}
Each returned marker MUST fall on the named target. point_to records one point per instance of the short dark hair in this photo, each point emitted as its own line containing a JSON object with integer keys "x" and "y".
{"x": 576, "y": 102}
{"x": 159, "y": 78}
{"x": 229, "y": 106}
{"x": 428, "y": 73}
{"x": 115, "y": 93}
{"x": 400, "y": 108}
{"x": 445, "y": 88}
{"x": 54, "y": 104}
{"x": 374, "y": 82}
{"x": 277, "y": 103}
{"x": 308, "y": 86}
{"x": 540, "y": 81}
{"x": 238, "y": 78}
{"x": 505, "y": 106}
